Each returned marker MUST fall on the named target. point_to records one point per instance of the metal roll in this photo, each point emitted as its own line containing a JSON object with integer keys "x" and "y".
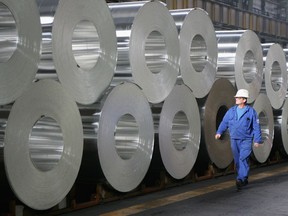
{"x": 46, "y": 68}
{"x": 6, "y": 194}
{"x": 90, "y": 170}
{"x": 125, "y": 137}
{"x": 240, "y": 59}
{"x": 286, "y": 57}
{"x": 275, "y": 73}
{"x": 280, "y": 129}
{"x": 179, "y": 132}
{"x": 84, "y": 48}
{"x": 123, "y": 14}
{"x": 148, "y": 47}
{"x": 20, "y": 47}
{"x": 43, "y": 160}
{"x": 198, "y": 49}
{"x": 213, "y": 109}
{"x": 264, "y": 110}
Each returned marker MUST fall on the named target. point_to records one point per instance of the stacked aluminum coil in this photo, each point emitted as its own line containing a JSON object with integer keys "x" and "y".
{"x": 148, "y": 47}
{"x": 198, "y": 49}
{"x": 240, "y": 60}
{"x": 111, "y": 64}
{"x": 213, "y": 109}
{"x": 275, "y": 74}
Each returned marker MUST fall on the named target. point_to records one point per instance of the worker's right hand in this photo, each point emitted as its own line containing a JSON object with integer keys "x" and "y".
{"x": 217, "y": 136}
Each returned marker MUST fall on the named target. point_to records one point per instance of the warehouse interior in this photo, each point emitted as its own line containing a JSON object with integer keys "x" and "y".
{"x": 103, "y": 101}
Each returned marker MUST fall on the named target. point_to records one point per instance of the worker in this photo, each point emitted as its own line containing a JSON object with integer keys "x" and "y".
{"x": 244, "y": 128}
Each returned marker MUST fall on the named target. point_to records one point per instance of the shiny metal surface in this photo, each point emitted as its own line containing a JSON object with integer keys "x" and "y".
{"x": 123, "y": 14}
{"x": 9, "y": 33}
{"x": 42, "y": 160}
{"x": 4, "y": 113}
{"x": 281, "y": 128}
{"x": 84, "y": 48}
{"x": 275, "y": 73}
{"x": 264, "y": 110}
{"x": 90, "y": 167}
{"x": 126, "y": 134}
{"x": 155, "y": 53}
{"x": 240, "y": 60}
{"x": 198, "y": 49}
{"x": 148, "y": 47}
{"x": 154, "y": 16}
{"x": 46, "y": 68}
{"x": 179, "y": 131}
{"x": 20, "y": 41}
{"x": 227, "y": 45}
{"x": 46, "y": 144}
{"x": 125, "y": 137}
{"x": 90, "y": 115}
{"x": 86, "y": 45}
{"x": 85, "y": 42}
{"x": 284, "y": 126}
{"x": 212, "y": 110}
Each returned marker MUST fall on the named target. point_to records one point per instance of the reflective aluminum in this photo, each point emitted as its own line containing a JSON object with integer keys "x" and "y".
{"x": 46, "y": 68}
{"x": 212, "y": 110}
{"x": 240, "y": 60}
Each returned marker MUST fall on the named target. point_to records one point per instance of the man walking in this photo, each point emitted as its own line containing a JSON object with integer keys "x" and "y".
{"x": 243, "y": 124}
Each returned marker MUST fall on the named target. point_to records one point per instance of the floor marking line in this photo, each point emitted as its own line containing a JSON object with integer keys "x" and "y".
{"x": 189, "y": 194}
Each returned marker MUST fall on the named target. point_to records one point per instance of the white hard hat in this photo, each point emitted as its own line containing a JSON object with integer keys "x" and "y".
{"x": 242, "y": 93}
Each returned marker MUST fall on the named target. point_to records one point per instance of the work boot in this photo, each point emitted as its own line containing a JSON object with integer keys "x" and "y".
{"x": 239, "y": 184}
{"x": 245, "y": 182}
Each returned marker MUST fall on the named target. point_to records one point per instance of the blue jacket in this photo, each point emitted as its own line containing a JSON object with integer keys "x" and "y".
{"x": 247, "y": 127}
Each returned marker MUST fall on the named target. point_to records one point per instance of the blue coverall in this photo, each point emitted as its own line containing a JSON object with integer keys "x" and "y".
{"x": 242, "y": 131}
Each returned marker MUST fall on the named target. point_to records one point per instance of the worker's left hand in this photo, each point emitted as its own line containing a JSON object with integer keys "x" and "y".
{"x": 256, "y": 145}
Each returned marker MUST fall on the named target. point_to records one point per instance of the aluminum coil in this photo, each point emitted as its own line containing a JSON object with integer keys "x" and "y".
{"x": 264, "y": 110}
{"x": 148, "y": 47}
{"x": 90, "y": 169}
{"x": 286, "y": 57}
{"x": 46, "y": 68}
{"x": 84, "y": 48}
{"x": 43, "y": 159}
{"x": 240, "y": 59}
{"x": 275, "y": 73}
{"x": 123, "y": 14}
{"x": 198, "y": 49}
{"x": 20, "y": 47}
{"x": 4, "y": 113}
{"x": 179, "y": 132}
{"x": 125, "y": 137}
{"x": 280, "y": 129}
{"x": 219, "y": 100}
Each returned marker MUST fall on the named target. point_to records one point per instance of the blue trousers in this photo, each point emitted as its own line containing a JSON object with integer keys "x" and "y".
{"x": 241, "y": 150}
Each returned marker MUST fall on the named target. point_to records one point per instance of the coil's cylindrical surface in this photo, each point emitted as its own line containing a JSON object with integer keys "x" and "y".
{"x": 43, "y": 159}
{"x": 179, "y": 131}
{"x": 6, "y": 193}
{"x": 280, "y": 129}
{"x": 125, "y": 137}
{"x": 198, "y": 49}
{"x": 84, "y": 48}
{"x": 240, "y": 59}
{"x": 20, "y": 47}
{"x": 264, "y": 110}
{"x": 286, "y": 57}
{"x": 275, "y": 73}
{"x": 123, "y": 14}
{"x": 217, "y": 103}
{"x": 148, "y": 47}
{"x": 46, "y": 68}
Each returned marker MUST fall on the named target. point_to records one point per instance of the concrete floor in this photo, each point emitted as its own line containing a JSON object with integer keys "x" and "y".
{"x": 266, "y": 195}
